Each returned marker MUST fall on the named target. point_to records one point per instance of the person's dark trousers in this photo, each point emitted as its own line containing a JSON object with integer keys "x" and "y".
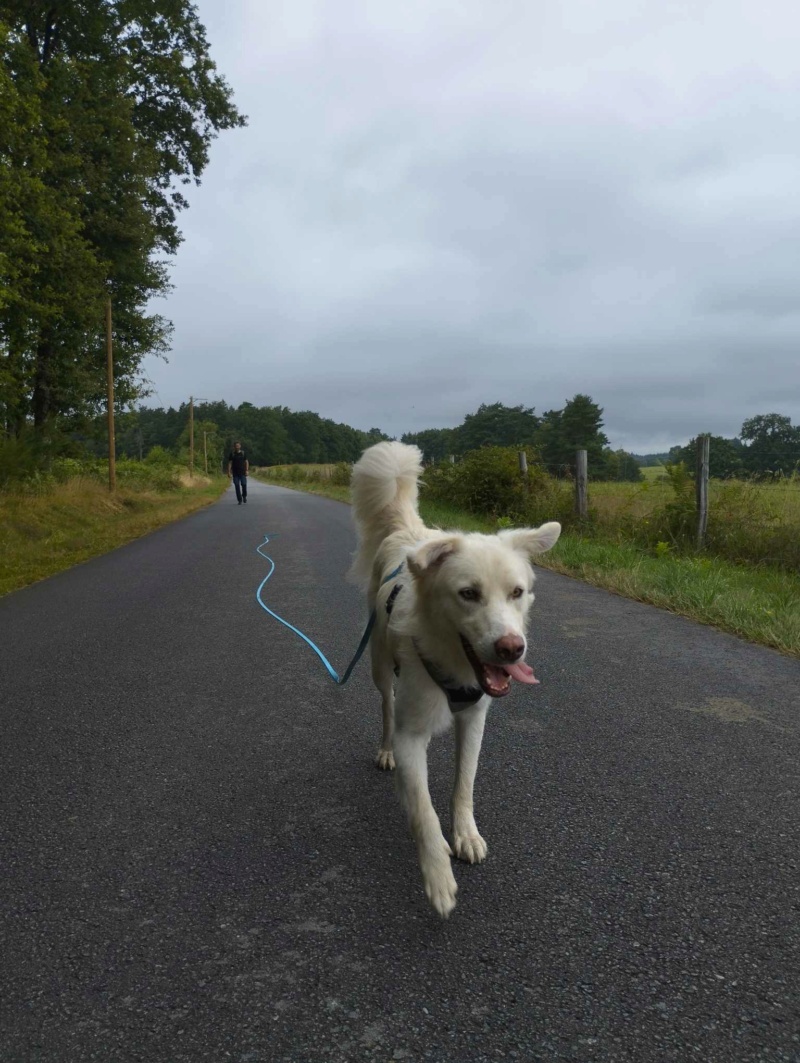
{"x": 240, "y": 483}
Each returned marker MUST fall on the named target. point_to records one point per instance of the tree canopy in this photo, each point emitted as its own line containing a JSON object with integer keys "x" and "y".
{"x": 555, "y": 435}
{"x": 768, "y": 444}
{"x": 271, "y": 435}
{"x": 107, "y": 109}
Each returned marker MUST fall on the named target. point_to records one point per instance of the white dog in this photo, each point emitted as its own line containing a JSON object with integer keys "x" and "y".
{"x": 451, "y": 621}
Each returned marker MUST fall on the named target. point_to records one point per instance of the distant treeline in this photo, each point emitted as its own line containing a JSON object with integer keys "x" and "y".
{"x": 767, "y": 445}
{"x": 554, "y": 435}
{"x": 649, "y": 461}
{"x": 275, "y": 435}
{"x": 270, "y": 435}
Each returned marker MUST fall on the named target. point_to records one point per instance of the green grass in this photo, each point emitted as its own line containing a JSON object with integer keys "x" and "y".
{"x": 757, "y": 603}
{"x": 651, "y": 473}
{"x": 760, "y": 603}
{"x": 313, "y": 479}
{"x": 46, "y": 531}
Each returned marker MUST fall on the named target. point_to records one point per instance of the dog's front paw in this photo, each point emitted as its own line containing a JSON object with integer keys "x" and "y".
{"x": 470, "y": 846}
{"x": 384, "y": 759}
{"x": 439, "y": 881}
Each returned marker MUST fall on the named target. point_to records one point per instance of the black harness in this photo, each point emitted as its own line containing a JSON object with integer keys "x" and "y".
{"x": 458, "y": 698}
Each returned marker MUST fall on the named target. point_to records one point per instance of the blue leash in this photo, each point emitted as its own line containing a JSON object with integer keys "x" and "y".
{"x": 364, "y": 638}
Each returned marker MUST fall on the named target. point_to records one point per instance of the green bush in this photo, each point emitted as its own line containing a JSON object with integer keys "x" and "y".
{"x": 748, "y": 522}
{"x": 489, "y": 482}
{"x": 341, "y": 474}
{"x": 148, "y": 476}
{"x": 20, "y": 459}
{"x": 674, "y": 523}
{"x": 755, "y": 523}
{"x": 159, "y": 456}
{"x": 64, "y": 469}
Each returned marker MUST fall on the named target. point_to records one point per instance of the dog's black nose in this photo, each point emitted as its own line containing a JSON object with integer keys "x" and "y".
{"x": 509, "y": 648}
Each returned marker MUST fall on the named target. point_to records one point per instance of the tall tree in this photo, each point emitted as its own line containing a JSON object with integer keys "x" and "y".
{"x": 774, "y": 443}
{"x": 620, "y": 465}
{"x": 127, "y": 102}
{"x": 435, "y": 443}
{"x": 576, "y": 427}
{"x": 50, "y": 278}
{"x": 725, "y": 457}
{"x": 497, "y": 425}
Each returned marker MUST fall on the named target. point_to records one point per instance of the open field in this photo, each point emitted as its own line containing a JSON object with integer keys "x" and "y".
{"x": 45, "y": 531}
{"x": 651, "y": 473}
{"x": 775, "y": 501}
{"x": 760, "y": 603}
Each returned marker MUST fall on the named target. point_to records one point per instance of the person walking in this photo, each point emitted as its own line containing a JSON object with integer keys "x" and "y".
{"x": 238, "y": 468}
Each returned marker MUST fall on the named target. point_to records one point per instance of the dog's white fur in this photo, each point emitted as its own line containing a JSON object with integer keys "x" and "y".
{"x": 428, "y": 618}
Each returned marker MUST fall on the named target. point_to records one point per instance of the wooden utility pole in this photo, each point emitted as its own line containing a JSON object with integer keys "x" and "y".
{"x": 205, "y": 450}
{"x": 701, "y": 488}
{"x": 112, "y": 445}
{"x": 582, "y": 485}
{"x": 191, "y": 436}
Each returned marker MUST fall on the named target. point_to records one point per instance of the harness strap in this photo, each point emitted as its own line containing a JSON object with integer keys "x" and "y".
{"x": 458, "y": 698}
{"x": 390, "y": 600}
{"x": 368, "y": 630}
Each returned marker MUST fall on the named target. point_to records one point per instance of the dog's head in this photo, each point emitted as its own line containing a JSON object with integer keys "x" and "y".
{"x": 476, "y": 591}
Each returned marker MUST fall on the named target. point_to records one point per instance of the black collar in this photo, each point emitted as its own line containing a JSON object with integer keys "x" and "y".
{"x": 458, "y": 698}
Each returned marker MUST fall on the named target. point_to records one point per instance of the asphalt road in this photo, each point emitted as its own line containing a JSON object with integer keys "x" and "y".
{"x": 199, "y": 862}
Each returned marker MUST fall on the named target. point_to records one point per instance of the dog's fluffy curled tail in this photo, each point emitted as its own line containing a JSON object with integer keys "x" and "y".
{"x": 384, "y": 493}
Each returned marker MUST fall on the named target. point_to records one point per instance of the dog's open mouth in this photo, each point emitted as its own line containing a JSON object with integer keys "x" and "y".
{"x": 495, "y": 679}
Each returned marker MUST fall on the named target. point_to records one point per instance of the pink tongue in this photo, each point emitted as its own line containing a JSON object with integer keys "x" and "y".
{"x": 522, "y": 672}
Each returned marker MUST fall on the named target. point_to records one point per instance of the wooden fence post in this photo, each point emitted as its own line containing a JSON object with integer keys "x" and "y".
{"x": 582, "y": 485}
{"x": 701, "y": 487}
{"x": 523, "y": 470}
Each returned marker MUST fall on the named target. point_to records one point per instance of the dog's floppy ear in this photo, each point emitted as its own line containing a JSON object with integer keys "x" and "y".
{"x": 532, "y": 541}
{"x": 432, "y": 554}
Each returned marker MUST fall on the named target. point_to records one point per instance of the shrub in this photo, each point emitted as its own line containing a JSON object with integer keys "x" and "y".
{"x": 755, "y": 522}
{"x": 159, "y": 456}
{"x": 672, "y": 524}
{"x": 64, "y": 469}
{"x": 20, "y": 459}
{"x": 142, "y": 475}
{"x": 341, "y": 474}
{"x": 489, "y": 482}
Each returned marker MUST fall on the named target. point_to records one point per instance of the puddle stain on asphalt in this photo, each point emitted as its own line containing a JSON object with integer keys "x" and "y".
{"x": 731, "y": 710}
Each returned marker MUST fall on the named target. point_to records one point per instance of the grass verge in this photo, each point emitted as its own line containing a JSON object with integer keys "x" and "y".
{"x": 45, "y": 532}
{"x": 758, "y": 603}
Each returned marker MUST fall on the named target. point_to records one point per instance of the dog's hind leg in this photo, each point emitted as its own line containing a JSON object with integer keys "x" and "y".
{"x": 411, "y": 750}
{"x": 467, "y": 842}
{"x": 383, "y": 678}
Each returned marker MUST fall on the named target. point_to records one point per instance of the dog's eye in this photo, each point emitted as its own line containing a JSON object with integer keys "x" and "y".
{"x": 517, "y": 592}
{"x": 470, "y": 594}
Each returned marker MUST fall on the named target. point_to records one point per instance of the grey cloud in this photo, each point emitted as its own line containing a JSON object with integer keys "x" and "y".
{"x": 761, "y": 300}
{"x": 438, "y": 206}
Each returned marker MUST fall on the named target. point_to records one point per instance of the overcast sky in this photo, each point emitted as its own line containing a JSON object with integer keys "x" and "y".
{"x": 439, "y": 203}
